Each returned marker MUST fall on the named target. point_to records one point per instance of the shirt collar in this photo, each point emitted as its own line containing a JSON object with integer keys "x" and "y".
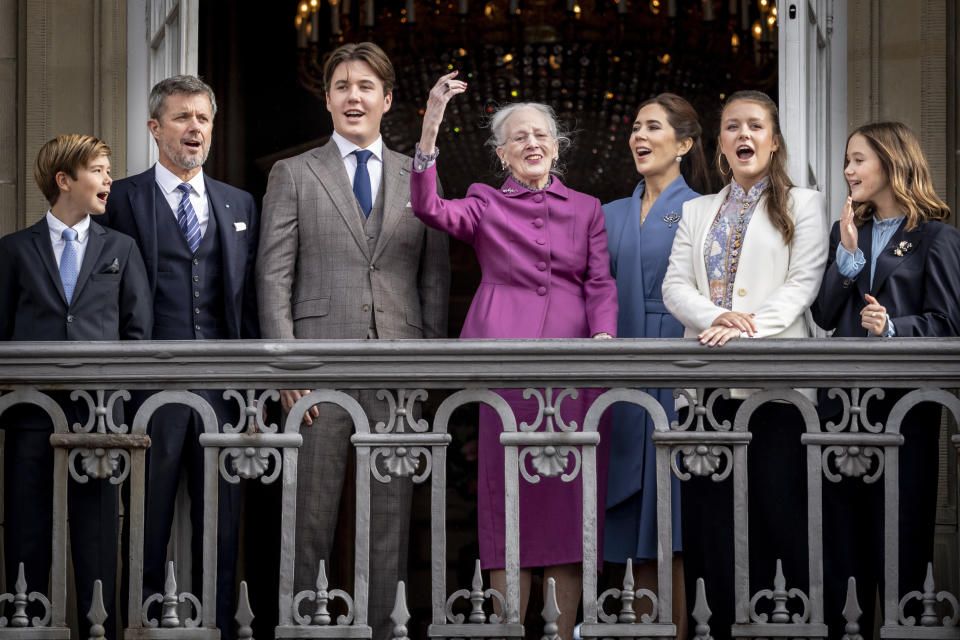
{"x": 737, "y": 193}
{"x": 56, "y": 226}
{"x": 169, "y": 182}
{"x": 346, "y": 147}
{"x": 888, "y": 222}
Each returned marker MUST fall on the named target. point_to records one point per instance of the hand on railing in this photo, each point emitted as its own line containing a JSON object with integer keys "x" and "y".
{"x": 290, "y": 397}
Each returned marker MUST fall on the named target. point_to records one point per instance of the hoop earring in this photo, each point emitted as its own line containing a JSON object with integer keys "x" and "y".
{"x": 721, "y": 159}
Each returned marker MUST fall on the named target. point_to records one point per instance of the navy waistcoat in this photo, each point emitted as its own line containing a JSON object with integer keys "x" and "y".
{"x": 188, "y": 304}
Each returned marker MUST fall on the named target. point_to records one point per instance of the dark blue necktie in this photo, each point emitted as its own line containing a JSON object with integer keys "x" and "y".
{"x": 187, "y": 219}
{"x": 69, "y": 267}
{"x": 361, "y": 181}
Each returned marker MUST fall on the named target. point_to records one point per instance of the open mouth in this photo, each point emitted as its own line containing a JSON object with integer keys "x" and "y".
{"x": 744, "y": 152}
{"x": 196, "y": 145}
{"x": 643, "y": 152}
{"x": 533, "y": 157}
{"x": 853, "y": 183}
{"x": 353, "y": 116}
{"x": 102, "y": 196}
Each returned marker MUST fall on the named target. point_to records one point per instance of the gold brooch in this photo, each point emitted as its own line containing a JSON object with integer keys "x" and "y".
{"x": 902, "y": 249}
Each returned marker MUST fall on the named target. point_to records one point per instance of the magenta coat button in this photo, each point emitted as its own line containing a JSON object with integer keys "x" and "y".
{"x": 542, "y": 266}
{"x": 541, "y": 291}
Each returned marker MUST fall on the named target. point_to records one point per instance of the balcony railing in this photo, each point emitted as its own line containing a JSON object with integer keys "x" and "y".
{"x": 463, "y": 373}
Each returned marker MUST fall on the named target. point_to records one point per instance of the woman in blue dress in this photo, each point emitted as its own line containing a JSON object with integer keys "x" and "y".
{"x": 667, "y": 149}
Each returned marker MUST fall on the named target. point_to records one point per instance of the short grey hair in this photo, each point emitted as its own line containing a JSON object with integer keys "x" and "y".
{"x": 190, "y": 85}
{"x": 498, "y": 123}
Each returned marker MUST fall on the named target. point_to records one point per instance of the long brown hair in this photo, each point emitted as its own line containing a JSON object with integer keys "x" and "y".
{"x": 906, "y": 168}
{"x": 686, "y": 124}
{"x": 778, "y": 193}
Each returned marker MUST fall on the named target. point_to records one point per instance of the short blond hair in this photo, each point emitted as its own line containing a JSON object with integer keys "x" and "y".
{"x": 68, "y": 153}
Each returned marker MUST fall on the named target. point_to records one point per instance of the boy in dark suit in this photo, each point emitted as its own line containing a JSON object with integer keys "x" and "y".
{"x": 66, "y": 278}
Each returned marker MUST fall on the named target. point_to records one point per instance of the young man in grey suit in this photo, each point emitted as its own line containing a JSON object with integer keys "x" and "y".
{"x": 198, "y": 237}
{"x": 343, "y": 257}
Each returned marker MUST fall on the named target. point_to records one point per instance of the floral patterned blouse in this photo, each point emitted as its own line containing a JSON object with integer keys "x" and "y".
{"x": 721, "y": 250}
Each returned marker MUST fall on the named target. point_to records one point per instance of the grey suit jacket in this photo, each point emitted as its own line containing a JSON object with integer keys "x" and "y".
{"x": 316, "y": 276}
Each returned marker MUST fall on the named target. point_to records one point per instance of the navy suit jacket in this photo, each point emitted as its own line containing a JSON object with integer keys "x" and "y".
{"x": 920, "y": 288}
{"x": 111, "y": 300}
{"x": 131, "y": 209}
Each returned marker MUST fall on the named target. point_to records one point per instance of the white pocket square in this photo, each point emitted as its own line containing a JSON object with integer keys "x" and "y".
{"x": 239, "y": 226}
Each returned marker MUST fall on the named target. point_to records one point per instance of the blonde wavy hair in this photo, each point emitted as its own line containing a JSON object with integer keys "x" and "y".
{"x": 906, "y": 168}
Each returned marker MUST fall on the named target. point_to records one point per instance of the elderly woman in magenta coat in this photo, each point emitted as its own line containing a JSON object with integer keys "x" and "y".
{"x": 667, "y": 148}
{"x": 542, "y": 248}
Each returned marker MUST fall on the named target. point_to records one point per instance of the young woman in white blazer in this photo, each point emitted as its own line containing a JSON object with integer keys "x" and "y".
{"x": 747, "y": 263}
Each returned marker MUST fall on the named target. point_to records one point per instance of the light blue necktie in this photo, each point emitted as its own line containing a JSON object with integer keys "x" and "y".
{"x": 361, "y": 181}
{"x": 187, "y": 219}
{"x": 69, "y": 269}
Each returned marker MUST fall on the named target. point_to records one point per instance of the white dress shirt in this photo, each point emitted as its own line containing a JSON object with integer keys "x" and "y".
{"x": 374, "y": 162}
{"x": 57, "y": 226}
{"x": 198, "y": 193}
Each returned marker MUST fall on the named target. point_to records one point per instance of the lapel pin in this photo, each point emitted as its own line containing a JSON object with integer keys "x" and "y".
{"x": 240, "y": 226}
{"x": 509, "y": 190}
{"x": 671, "y": 218}
{"x": 902, "y": 249}
{"x": 227, "y": 205}
{"x": 401, "y": 171}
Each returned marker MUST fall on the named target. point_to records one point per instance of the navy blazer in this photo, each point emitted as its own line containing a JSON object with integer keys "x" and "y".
{"x": 920, "y": 288}
{"x": 111, "y": 300}
{"x": 131, "y": 209}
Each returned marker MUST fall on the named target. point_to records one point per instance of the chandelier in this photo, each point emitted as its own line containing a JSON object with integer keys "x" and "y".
{"x": 593, "y": 61}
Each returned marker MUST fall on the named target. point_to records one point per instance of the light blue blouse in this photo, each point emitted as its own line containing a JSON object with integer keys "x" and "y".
{"x": 851, "y": 264}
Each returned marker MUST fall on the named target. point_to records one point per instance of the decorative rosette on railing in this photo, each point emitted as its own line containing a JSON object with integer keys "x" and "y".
{"x": 403, "y": 459}
{"x": 929, "y": 599}
{"x": 476, "y": 595}
{"x": 169, "y": 601}
{"x": 322, "y": 598}
{"x": 99, "y": 462}
{"x": 704, "y": 458}
{"x": 627, "y": 596}
{"x": 854, "y": 458}
{"x": 779, "y": 596}
{"x": 20, "y": 599}
{"x": 550, "y": 460}
{"x": 251, "y": 462}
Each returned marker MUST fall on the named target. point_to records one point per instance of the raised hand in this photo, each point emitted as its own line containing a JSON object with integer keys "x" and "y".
{"x": 440, "y": 95}
{"x": 848, "y": 229}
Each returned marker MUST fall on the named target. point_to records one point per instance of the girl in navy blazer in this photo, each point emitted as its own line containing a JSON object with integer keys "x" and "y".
{"x": 893, "y": 270}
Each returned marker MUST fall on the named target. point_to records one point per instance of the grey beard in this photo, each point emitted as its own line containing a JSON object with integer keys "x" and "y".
{"x": 184, "y": 161}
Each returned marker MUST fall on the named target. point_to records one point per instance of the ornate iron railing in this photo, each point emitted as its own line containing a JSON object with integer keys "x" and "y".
{"x": 100, "y": 374}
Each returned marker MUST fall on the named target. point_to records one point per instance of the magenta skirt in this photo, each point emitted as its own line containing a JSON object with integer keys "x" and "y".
{"x": 551, "y": 511}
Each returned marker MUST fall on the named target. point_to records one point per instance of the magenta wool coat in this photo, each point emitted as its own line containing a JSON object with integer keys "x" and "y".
{"x": 546, "y": 270}
{"x": 546, "y": 274}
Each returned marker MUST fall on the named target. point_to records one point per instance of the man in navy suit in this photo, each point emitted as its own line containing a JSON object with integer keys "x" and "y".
{"x": 198, "y": 238}
{"x": 66, "y": 278}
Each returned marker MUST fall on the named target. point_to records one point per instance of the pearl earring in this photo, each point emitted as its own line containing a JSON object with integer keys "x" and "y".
{"x": 679, "y": 158}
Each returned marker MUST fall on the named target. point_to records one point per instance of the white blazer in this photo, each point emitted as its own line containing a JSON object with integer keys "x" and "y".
{"x": 776, "y": 282}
